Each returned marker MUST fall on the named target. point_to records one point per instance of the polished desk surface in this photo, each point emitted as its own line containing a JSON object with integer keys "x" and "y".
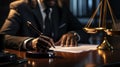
{"x": 92, "y": 58}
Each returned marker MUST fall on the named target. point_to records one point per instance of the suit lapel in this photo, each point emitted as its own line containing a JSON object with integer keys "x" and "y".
{"x": 38, "y": 17}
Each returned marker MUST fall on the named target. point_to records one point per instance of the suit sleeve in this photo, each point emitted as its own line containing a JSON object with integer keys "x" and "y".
{"x": 11, "y": 29}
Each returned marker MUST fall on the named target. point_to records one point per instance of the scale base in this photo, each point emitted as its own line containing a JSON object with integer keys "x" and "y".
{"x": 105, "y": 45}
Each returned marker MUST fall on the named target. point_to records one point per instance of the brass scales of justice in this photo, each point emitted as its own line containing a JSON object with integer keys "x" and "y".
{"x": 102, "y": 8}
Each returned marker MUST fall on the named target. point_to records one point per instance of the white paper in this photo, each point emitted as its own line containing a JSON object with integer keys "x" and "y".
{"x": 78, "y": 49}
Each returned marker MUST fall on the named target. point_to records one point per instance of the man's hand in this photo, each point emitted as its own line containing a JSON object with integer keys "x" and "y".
{"x": 69, "y": 39}
{"x": 42, "y": 43}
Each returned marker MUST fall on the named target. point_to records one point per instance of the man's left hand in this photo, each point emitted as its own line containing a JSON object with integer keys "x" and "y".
{"x": 68, "y": 40}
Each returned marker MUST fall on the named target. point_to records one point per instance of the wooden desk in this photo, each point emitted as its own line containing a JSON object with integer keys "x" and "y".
{"x": 63, "y": 59}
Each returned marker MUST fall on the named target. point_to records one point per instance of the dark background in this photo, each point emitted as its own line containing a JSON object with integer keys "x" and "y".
{"x": 4, "y": 10}
{"x": 115, "y": 4}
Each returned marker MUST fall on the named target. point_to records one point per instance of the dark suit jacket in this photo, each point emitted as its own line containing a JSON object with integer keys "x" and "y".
{"x": 17, "y": 29}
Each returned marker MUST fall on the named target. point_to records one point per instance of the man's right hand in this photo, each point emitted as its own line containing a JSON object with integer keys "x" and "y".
{"x": 42, "y": 43}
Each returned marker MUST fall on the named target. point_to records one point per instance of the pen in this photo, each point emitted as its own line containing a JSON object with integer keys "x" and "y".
{"x": 41, "y": 34}
{"x": 36, "y": 30}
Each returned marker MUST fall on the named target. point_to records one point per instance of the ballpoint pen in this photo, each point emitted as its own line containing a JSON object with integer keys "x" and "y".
{"x": 37, "y": 31}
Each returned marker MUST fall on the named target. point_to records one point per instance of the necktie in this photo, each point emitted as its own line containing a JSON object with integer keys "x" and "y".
{"x": 47, "y": 29}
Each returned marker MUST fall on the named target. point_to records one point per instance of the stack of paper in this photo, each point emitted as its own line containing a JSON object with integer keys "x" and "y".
{"x": 77, "y": 49}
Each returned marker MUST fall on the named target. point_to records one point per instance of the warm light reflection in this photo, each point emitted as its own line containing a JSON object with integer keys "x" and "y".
{"x": 33, "y": 63}
{"x": 100, "y": 28}
{"x": 99, "y": 52}
{"x": 29, "y": 62}
{"x": 103, "y": 54}
{"x": 90, "y": 65}
{"x": 104, "y": 57}
{"x": 108, "y": 31}
{"x": 90, "y": 30}
{"x": 50, "y": 60}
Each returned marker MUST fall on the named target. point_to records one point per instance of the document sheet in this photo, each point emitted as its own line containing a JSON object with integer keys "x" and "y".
{"x": 77, "y": 49}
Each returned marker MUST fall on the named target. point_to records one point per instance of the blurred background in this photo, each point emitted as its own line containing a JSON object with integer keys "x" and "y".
{"x": 82, "y": 9}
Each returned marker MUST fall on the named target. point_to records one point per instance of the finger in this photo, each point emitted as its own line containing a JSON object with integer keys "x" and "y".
{"x": 63, "y": 40}
{"x": 75, "y": 42}
{"x": 62, "y": 43}
{"x": 34, "y": 42}
{"x": 71, "y": 42}
{"x": 52, "y": 42}
{"x": 68, "y": 41}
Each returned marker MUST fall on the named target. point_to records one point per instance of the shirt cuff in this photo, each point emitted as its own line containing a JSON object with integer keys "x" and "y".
{"x": 25, "y": 43}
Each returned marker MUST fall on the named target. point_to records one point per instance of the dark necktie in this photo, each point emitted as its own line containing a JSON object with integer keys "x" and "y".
{"x": 47, "y": 30}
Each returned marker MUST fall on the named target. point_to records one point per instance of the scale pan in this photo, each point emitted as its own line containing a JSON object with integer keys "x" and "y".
{"x": 100, "y": 28}
{"x": 90, "y": 30}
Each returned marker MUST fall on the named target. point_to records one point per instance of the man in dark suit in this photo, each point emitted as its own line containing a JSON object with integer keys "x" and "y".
{"x": 63, "y": 29}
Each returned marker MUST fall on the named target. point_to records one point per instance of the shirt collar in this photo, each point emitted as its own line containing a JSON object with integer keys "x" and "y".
{"x": 42, "y": 6}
